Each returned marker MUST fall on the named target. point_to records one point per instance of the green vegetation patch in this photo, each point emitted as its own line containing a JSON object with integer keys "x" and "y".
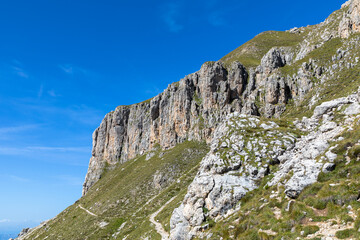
{"x": 125, "y": 197}
{"x": 251, "y": 53}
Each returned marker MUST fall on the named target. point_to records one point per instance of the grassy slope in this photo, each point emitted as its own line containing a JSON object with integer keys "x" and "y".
{"x": 250, "y": 53}
{"x": 341, "y": 84}
{"x": 121, "y": 194}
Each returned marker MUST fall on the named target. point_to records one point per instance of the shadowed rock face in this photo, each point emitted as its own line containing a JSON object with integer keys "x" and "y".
{"x": 186, "y": 110}
{"x": 351, "y": 20}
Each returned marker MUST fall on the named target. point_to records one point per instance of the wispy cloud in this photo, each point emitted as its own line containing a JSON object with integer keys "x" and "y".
{"x": 18, "y": 179}
{"x": 17, "y": 129}
{"x": 41, "y": 90}
{"x": 20, "y": 72}
{"x": 73, "y": 113}
{"x": 71, "y": 69}
{"x": 70, "y": 180}
{"x": 60, "y": 149}
{"x": 216, "y": 19}
{"x": 38, "y": 149}
{"x": 170, "y": 17}
{"x": 52, "y": 93}
{"x": 4, "y": 220}
{"x": 17, "y": 62}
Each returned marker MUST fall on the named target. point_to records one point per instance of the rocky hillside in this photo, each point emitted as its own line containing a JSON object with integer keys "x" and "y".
{"x": 262, "y": 144}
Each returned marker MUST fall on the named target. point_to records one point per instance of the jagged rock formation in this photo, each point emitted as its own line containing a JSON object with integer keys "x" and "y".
{"x": 351, "y": 20}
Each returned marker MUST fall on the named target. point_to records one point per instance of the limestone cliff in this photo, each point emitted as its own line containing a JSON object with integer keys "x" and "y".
{"x": 193, "y": 107}
{"x": 351, "y": 19}
{"x": 186, "y": 110}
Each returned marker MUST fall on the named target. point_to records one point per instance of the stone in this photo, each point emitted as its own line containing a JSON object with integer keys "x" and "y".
{"x": 289, "y": 205}
{"x": 275, "y": 58}
{"x": 329, "y": 167}
{"x": 23, "y": 232}
{"x": 353, "y": 109}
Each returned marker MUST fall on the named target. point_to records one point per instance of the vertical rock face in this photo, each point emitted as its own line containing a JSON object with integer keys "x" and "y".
{"x": 189, "y": 109}
{"x": 193, "y": 107}
{"x": 351, "y": 20}
{"x": 186, "y": 110}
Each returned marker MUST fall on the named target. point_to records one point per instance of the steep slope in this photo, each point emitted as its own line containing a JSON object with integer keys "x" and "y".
{"x": 121, "y": 203}
{"x": 152, "y": 176}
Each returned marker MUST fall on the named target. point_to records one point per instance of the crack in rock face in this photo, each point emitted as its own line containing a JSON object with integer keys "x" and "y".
{"x": 351, "y": 20}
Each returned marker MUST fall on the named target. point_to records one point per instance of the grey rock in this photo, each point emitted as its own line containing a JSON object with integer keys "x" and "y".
{"x": 289, "y": 205}
{"x": 329, "y": 167}
{"x": 23, "y": 232}
{"x": 300, "y": 163}
{"x": 353, "y": 109}
{"x": 229, "y": 170}
{"x": 328, "y": 106}
{"x": 198, "y": 102}
{"x": 351, "y": 20}
{"x": 275, "y": 58}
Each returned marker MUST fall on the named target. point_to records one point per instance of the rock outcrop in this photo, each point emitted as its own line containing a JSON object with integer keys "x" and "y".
{"x": 241, "y": 152}
{"x": 311, "y": 154}
{"x": 351, "y": 20}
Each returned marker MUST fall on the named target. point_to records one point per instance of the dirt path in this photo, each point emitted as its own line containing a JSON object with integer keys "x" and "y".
{"x": 92, "y": 214}
{"x": 159, "y": 228}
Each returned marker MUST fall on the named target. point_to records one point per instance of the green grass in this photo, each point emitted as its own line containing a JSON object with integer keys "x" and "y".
{"x": 250, "y": 53}
{"x": 344, "y": 234}
{"x": 121, "y": 194}
{"x": 340, "y": 84}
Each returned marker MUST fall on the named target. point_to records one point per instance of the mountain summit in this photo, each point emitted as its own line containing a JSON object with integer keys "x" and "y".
{"x": 262, "y": 144}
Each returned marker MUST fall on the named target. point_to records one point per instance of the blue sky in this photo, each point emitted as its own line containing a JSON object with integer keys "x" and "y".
{"x": 65, "y": 64}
